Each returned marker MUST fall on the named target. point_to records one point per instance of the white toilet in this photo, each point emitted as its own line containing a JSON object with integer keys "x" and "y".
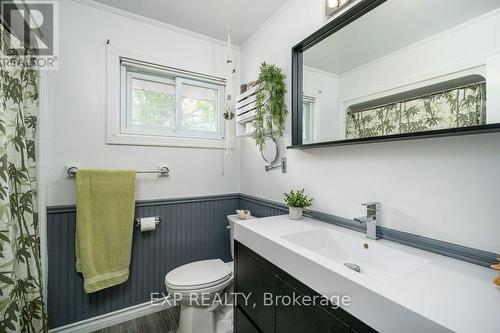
{"x": 196, "y": 285}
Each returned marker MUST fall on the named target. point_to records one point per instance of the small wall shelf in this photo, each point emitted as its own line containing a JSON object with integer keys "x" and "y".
{"x": 245, "y": 111}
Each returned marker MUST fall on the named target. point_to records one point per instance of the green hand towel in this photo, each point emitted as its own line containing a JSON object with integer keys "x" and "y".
{"x": 105, "y": 203}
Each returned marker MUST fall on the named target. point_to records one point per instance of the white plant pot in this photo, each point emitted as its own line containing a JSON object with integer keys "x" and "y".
{"x": 295, "y": 213}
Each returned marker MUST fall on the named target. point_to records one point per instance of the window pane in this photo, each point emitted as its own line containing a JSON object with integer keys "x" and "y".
{"x": 199, "y": 108}
{"x": 307, "y": 122}
{"x": 153, "y": 103}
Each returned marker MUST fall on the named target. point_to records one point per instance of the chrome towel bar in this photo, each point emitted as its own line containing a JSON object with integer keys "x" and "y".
{"x": 162, "y": 172}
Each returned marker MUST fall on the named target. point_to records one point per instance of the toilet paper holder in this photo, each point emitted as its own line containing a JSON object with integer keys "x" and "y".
{"x": 138, "y": 221}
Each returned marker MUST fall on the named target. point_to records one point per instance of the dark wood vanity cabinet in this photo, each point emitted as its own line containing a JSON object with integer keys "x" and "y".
{"x": 298, "y": 319}
{"x": 263, "y": 281}
{"x": 255, "y": 280}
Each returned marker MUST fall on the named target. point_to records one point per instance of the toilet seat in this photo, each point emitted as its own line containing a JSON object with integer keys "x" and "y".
{"x": 199, "y": 275}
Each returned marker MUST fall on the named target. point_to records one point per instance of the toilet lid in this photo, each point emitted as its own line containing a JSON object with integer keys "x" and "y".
{"x": 203, "y": 273}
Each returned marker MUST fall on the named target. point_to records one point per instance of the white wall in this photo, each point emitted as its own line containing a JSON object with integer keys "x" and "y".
{"x": 76, "y": 106}
{"x": 324, "y": 87}
{"x": 437, "y": 59}
{"x": 445, "y": 188}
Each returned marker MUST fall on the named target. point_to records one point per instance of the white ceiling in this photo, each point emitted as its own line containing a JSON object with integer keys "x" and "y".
{"x": 390, "y": 27}
{"x": 208, "y": 17}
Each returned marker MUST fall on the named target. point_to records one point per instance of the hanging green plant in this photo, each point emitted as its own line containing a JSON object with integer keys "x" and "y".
{"x": 271, "y": 109}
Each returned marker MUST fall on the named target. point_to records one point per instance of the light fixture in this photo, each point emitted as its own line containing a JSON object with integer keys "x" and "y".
{"x": 331, "y": 6}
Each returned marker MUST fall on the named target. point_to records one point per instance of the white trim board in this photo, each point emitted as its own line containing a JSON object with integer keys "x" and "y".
{"x": 475, "y": 66}
{"x": 153, "y": 22}
{"x": 42, "y": 162}
{"x": 110, "y": 319}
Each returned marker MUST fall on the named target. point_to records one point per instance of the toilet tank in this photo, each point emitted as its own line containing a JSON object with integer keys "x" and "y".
{"x": 231, "y": 219}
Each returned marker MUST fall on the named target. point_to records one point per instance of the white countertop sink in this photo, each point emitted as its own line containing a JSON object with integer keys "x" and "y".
{"x": 398, "y": 289}
{"x": 375, "y": 260}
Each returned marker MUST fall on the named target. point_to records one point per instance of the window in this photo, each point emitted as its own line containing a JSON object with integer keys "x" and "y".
{"x": 152, "y": 101}
{"x": 199, "y": 109}
{"x": 308, "y": 119}
{"x": 159, "y": 102}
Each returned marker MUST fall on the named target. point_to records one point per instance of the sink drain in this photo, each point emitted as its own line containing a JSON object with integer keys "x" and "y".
{"x": 352, "y": 266}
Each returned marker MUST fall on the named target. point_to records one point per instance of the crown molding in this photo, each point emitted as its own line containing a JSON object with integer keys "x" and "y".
{"x": 153, "y": 22}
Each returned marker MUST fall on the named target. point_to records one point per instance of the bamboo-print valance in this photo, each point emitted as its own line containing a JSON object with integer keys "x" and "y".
{"x": 459, "y": 107}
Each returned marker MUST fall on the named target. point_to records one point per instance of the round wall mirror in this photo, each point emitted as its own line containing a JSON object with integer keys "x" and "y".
{"x": 270, "y": 152}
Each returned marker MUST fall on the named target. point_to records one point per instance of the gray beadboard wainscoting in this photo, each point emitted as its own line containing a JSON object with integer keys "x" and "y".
{"x": 262, "y": 207}
{"x": 191, "y": 229}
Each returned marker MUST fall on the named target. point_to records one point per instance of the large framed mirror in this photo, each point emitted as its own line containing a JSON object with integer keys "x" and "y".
{"x": 396, "y": 70}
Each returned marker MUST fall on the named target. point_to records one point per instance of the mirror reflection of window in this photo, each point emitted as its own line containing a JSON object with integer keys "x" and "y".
{"x": 308, "y": 119}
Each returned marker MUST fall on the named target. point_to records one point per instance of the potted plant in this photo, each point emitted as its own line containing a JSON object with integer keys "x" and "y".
{"x": 297, "y": 201}
{"x": 271, "y": 110}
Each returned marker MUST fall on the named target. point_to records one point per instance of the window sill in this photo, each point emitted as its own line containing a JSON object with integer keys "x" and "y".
{"x": 162, "y": 141}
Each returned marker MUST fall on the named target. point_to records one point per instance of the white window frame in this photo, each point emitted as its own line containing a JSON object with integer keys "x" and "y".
{"x": 118, "y": 130}
{"x": 220, "y": 104}
{"x": 126, "y": 104}
{"x": 310, "y": 130}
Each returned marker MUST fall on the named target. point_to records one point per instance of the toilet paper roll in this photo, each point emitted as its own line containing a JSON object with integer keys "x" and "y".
{"x": 148, "y": 223}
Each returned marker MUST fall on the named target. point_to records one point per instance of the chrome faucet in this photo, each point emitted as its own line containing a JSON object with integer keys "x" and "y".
{"x": 370, "y": 220}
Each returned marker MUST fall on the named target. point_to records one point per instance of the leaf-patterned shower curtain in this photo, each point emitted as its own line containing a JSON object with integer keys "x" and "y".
{"x": 22, "y": 307}
{"x": 460, "y": 107}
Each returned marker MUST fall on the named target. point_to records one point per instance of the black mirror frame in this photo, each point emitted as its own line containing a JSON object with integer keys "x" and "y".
{"x": 352, "y": 14}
